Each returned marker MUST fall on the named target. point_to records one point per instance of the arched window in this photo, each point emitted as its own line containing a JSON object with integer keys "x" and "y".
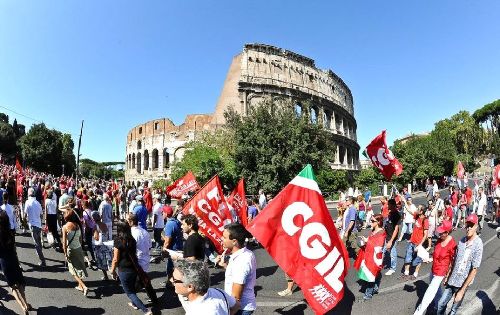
{"x": 146, "y": 160}
{"x": 133, "y": 160}
{"x": 298, "y": 109}
{"x": 314, "y": 114}
{"x": 138, "y": 162}
{"x": 139, "y": 145}
{"x": 166, "y": 159}
{"x": 155, "y": 159}
{"x": 327, "y": 119}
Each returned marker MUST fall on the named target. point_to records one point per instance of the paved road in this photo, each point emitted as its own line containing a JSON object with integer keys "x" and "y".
{"x": 50, "y": 289}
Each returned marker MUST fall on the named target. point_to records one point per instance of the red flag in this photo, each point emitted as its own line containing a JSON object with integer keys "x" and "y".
{"x": 382, "y": 158}
{"x": 369, "y": 260}
{"x": 460, "y": 170}
{"x": 183, "y": 185}
{"x": 298, "y": 232}
{"x": 210, "y": 208}
{"x": 238, "y": 201}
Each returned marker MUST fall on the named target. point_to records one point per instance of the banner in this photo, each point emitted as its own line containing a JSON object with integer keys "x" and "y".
{"x": 183, "y": 185}
{"x": 496, "y": 174}
{"x": 238, "y": 201}
{"x": 382, "y": 158}
{"x": 18, "y": 166}
{"x": 298, "y": 232}
{"x": 210, "y": 208}
{"x": 460, "y": 170}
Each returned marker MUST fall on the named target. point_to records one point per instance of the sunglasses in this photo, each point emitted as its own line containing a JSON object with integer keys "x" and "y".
{"x": 469, "y": 225}
{"x": 174, "y": 281}
{"x": 374, "y": 221}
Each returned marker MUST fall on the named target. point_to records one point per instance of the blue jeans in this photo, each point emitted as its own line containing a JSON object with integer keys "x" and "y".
{"x": 127, "y": 279}
{"x": 394, "y": 254}
{"x": 410, "y": 250}
{"x": 407, "y": 228}
{"x": 448, "y": 294}
{"x": 241, "y": 312}
{"x": 372, "y": 287}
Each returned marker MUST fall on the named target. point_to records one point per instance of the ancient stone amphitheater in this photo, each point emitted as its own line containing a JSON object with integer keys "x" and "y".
{"x": 260, "y": 71}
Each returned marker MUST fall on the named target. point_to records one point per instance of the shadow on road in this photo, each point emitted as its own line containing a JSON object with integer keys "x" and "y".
{"x": 296, "y": 310}
{"x": 73, "y": 310}
{"x": 488, "y": 306}
{"x": 266, "y": 271}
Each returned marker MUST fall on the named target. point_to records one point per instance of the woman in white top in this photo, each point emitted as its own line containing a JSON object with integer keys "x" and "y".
{"x": 51, "y": 218}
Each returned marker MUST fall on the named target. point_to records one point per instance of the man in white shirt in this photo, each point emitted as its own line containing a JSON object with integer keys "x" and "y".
{"x": 241, "y": 268}
{"x": 191, "y": 281}
{"x": 482, "y": 203}
{"x": 106, "y": 213}
{"x": 33, "y": 211}
{"x": 262, "y": 200}
{"x": 142, "y": 239}
{"x": 158, "y": 221}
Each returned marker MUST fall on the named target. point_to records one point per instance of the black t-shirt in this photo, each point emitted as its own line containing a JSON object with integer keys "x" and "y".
{"x": 124, "y": 261}
{"x": 195, "y": 246}
{"x": 390, "y": 226}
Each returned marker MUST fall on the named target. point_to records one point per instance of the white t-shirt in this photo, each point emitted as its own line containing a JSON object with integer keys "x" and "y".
{"x": 144, "y": 243}
{"x": 51, "y": 206}
{"x": 242, "y": 269}
{"x": 212, "y": 302}
{"x": 158, "y": 211}
{"x": 482, "y": 203}
{"x": 10, "y": 213}
{"x": 409, "y": 218}
{"x": 33, "y": 210}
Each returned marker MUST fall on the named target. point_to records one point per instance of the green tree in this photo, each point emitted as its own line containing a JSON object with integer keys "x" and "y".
{"x": 369, "y": 178}
{"x": 330, "y": 180}
{"x": 272, "y": 144}
{"x": 4, "y": 118}
{"x": 7, "y": 139}
{"x": 41, "y": 149}
{"x": 489, "y": 115}
{"x": 67, "y": 156}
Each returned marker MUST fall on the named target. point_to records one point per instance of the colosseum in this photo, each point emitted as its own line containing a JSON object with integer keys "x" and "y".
{"x": 259, "y": 72}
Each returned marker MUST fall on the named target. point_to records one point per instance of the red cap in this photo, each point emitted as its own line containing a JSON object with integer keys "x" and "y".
{"x": 444, "y": 227}
{"x": 168, "y": 211}
{"x": 472, "y": 218}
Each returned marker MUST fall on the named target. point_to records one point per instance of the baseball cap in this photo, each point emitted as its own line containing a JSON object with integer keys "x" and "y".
{"x": 444, "y": 227}
{"x": 472, "y": 218}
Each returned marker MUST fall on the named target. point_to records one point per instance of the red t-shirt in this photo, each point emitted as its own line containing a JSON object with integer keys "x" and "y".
{"x": 443, "y": 257}
{"x": 468, "y": 194}
{"x": 418, "y": 230}
{"x": 449, "y": 212}
{"x": 385, "y": 211}
{"x": 454, "y": 199}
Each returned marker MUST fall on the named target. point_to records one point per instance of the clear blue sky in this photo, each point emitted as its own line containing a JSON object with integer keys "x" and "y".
{"x": 116, "y": 64}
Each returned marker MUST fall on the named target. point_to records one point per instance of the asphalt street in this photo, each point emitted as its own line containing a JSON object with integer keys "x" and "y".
{"x": 51, "y": 289}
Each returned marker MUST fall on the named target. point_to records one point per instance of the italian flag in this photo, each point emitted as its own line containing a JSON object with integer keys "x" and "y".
{"x": 369, "y": 260}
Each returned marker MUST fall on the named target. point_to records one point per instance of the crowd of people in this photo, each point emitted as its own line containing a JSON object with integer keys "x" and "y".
{"x": 428, "y": 230}
{"x": 105, "y": 226}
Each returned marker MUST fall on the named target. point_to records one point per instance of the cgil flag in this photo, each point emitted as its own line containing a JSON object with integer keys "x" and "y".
{"x": 209, "y": 206}
{"x": 382, "y": 157}
{"x": 298, "y": 232}
{"x": 238, "y": 201}
{"x": 496, "y": 174}
{"x": 369, "y": 260}
{"x": 183, "y": 185}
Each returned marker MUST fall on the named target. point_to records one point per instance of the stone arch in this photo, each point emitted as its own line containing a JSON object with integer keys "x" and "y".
{"x": 341, "y": 154}
{"x": 146, "y": 160}
{"x": 133, "y": 160}
{"x": 139, "y": 145}
{"x": 166, "y": 158}
{"x": 138, "y": 163}
{"x": 155, "y": 159}
{"x": 327, "y": 119}
{"x": 178, "y": 153}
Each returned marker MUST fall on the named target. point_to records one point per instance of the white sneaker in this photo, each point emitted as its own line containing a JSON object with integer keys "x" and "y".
{"x": 285, "y": 292}
{"x": 389, "y": 272}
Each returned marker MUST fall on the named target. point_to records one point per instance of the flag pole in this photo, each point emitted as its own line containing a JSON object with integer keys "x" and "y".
{"x": 78, "y": 157}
